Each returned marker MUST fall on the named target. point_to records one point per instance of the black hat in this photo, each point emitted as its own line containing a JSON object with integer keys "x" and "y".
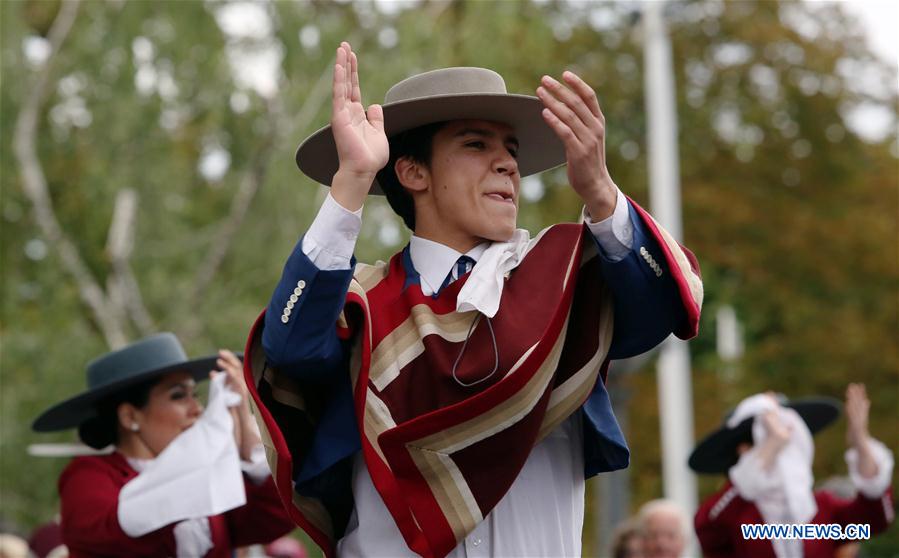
{"x": 717, "y": 452}
{"x": 144, "y": 360}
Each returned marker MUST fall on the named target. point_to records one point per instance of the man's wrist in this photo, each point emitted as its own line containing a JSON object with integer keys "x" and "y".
{"x": 350, "y": 188}
{"x": 601, "y": 204}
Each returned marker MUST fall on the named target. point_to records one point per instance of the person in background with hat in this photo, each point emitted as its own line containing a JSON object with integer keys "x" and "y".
{"x": 452, "y": 401}
{"x": 174, "y": 483}
{"x": 766, "y": 449}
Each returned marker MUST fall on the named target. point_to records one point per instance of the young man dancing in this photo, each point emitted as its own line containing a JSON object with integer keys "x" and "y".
{"x": 451, "y": 401}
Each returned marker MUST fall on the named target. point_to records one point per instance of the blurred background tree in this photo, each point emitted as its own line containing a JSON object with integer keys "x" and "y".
{"x": 164, "y": 133}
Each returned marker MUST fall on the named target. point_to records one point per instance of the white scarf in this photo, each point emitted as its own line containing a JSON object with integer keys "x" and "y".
{"x": 484, "y": 287}
{"x": 196, "y": 476}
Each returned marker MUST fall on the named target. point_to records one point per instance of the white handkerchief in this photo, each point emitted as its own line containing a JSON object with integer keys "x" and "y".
{"x": 197, "y": 475}
{"x": 484, "y": 287}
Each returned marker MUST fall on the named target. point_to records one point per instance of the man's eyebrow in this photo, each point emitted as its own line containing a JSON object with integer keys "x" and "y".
{"x": 485, "y": 133}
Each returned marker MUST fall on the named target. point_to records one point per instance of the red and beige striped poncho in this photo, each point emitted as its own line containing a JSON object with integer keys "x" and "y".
{"x": 442, "y": 455}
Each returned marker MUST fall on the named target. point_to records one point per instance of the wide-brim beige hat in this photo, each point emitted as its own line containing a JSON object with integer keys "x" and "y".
{"x": 448, "y": 94}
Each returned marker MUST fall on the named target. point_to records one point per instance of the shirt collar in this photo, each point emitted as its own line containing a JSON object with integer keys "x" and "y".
{"x": 433, "y": 260}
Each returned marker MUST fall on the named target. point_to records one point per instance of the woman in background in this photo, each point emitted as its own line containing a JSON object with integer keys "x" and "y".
{"x": 766, "y": 449}
{"x": 179, "y": 481}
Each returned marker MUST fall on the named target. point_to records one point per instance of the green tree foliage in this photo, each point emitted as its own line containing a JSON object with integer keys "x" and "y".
{"x": 793, "y": 216}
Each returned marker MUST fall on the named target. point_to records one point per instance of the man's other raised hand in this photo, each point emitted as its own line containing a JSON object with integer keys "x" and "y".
{"x": 362, "y": 147}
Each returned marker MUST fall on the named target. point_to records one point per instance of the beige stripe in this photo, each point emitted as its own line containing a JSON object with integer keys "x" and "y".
{"x": 284, "y": 390}
{"x": 377, "y": 420}
{"x": 503, "y": 415}
{"x": 263, "y": 432}
{"x": 311, "y": 508}
{"x": 566, "y": 398}
{"x": 471, "y": 505}
{"x": 376, "y": 417}
{"x": 450, "y": 490}
{"x": 452, "y": 440}
{"x": 380, "y": 411}
{"x": 405, "y": 343}
{"x": 315, "y": 512}
{"x": 693, "y": 280}
{"x": 257, "y": 362}
{"x": 571, "y": 261}
{"x": 263, "y": 428}
{"x": 271, "y": 457}
{"x": 443, "y": 477}
{"x": 370, "y": 275}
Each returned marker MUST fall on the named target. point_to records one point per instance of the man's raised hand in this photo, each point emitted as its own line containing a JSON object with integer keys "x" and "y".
{"x": 362, "y": 147}
{"x": 857, "y": 408}
{"x": 573, "y": 113}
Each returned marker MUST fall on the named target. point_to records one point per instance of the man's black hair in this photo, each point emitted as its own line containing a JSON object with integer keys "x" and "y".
{"x": 415, "y": 144}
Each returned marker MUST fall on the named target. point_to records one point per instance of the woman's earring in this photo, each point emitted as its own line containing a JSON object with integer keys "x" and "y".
{"x": 135, "y": 427}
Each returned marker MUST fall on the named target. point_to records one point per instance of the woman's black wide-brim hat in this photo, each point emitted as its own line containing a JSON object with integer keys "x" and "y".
{"x": 141, "y": 361}
{"x": 717, "y": 452}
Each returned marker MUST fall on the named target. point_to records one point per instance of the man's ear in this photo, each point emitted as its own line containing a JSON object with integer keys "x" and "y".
{"x": 412, "y": 175}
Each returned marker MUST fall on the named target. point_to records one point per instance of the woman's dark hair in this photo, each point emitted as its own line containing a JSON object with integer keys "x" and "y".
{"x": 415, "y": 144}
{"x": 102, "y": 429}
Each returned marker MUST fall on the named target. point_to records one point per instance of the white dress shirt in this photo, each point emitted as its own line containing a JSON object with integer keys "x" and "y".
{"x": 542, "y": 514}
{"x": 331, "y": 239}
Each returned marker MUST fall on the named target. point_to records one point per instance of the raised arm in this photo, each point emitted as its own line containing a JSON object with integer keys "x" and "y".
{"x": 362, "y": 148}
{"x": 647, "y": 304}
{"x": 870, "y": 468}
{"x": 574, "y": 115}
{"x": 858, "y": 407}
{"x": 299, "y": 335}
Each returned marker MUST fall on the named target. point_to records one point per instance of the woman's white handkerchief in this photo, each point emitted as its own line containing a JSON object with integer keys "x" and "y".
{"x": 197, "y": 475}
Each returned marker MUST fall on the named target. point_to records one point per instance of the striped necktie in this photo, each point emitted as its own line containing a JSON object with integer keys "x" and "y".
{"x": 461, "y": 268}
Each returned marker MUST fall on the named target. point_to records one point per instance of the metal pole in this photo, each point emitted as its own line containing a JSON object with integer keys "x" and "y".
{"x": 674, "y": 383}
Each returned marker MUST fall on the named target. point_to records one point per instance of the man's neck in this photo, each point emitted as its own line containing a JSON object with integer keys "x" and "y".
{"x": 459, "y": 243}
